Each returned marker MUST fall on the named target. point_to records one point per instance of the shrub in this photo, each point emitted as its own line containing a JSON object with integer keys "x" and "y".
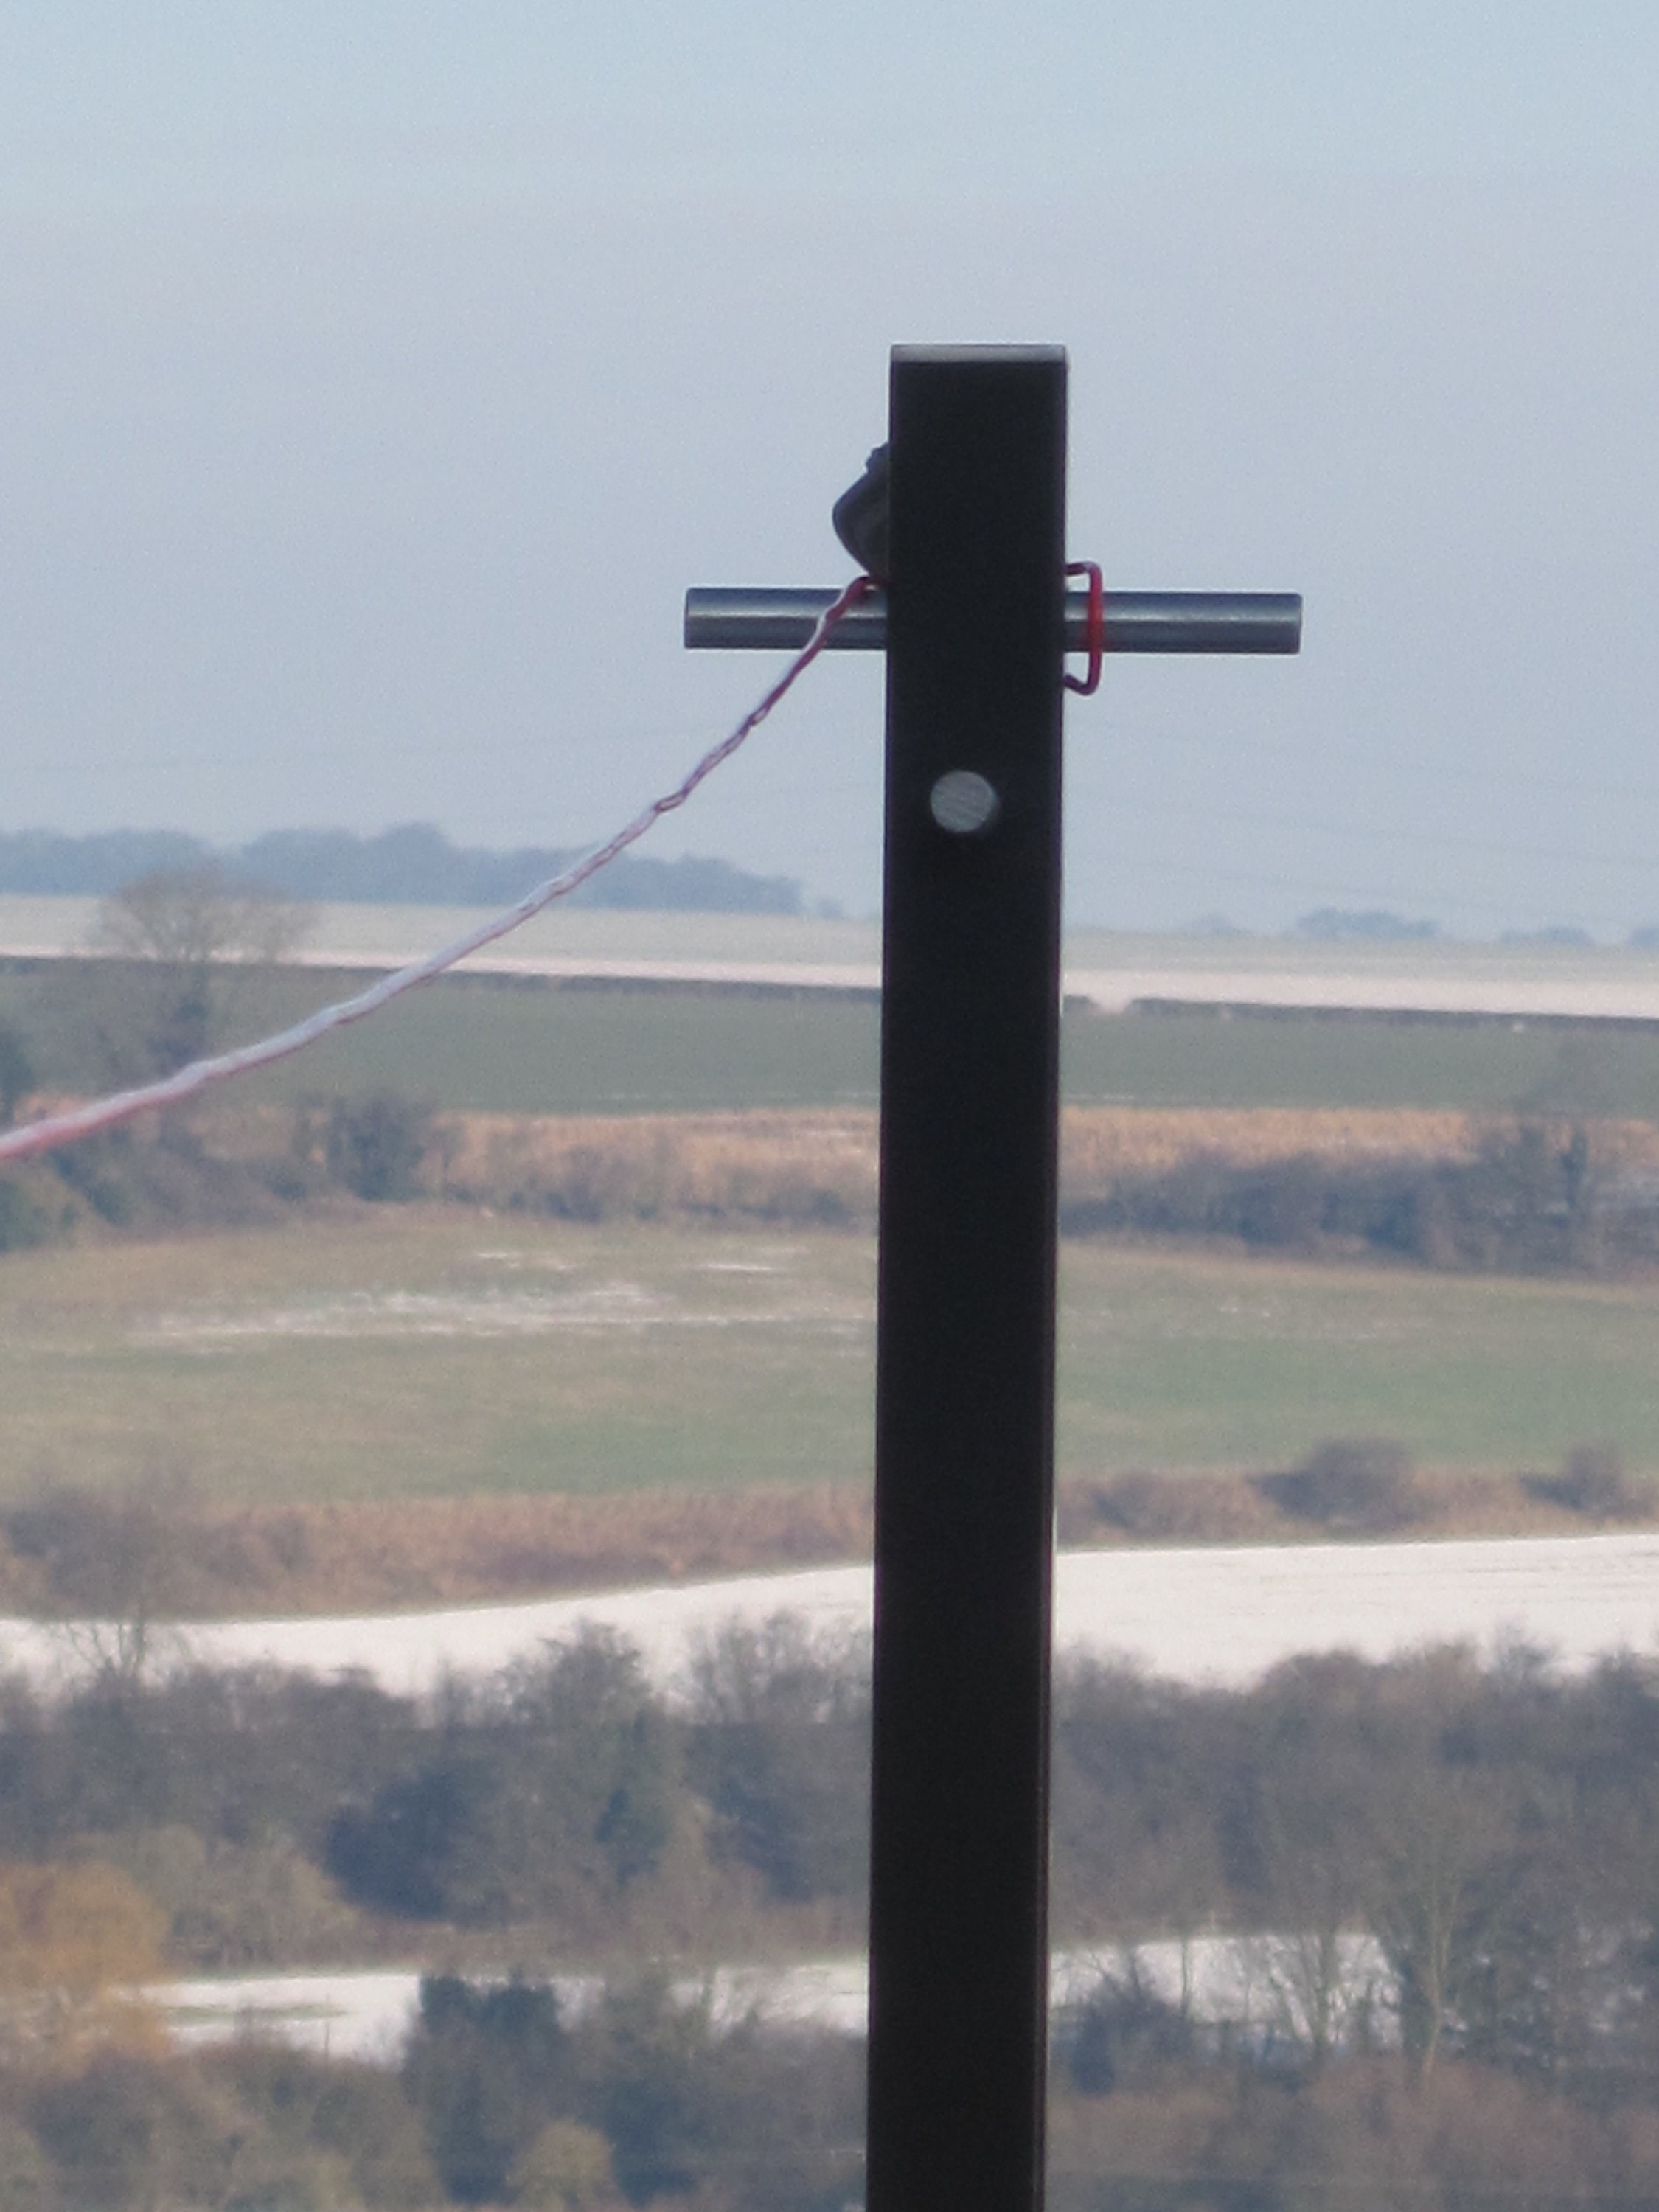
{"x": 1593, "y": 1482}
{"x": 652, "y": 2080}
{"x": 16, "y": 1071}
{"x": 96, "y": 1170}
{"x": 231, "y": 1905}
{"x": 375, "y": 1144}
{"x": 1157, "y": 1507}
{"x": 1119, "y": 2029}
{"x": 780, "y": 1750}
{"x": 23, "y": 1221}
{"x": 327, "y": 2132}
{"x": 729, "y": 2112}
{"x": 648, "y": 2094}
{"x": 167, "y": 1175}
{"x": 129, "y": 2132}
{"x": 1136, "y": 1502}
{"x": 75, "y": 1942}
{"x": 487, "y": 2068}
{"x": 1532, "y": 1200}
{"x": 1162, "y": 1509}
{"x": 26, "y": 2183}
{"x": 566, "y": 2169}
{"x": 551, "y": 1800}
{"x": 399, "y": 1853}
{"x": 268, "y": 2177}
{"x": 1363, "y": 1484}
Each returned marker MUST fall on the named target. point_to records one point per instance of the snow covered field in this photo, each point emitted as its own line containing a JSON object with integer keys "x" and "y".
{"x": 1251, "y": 1983}
{"x": 366, "y": 2015}
{"x": 1214, "y": 1613}
{"x": 799, "y": 952}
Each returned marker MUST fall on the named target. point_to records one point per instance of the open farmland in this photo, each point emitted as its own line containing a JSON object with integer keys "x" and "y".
{"x": 426, "y": 1352}
{"x": 410, "y": 1352}
{"x": 495, "y": 1044}
{"x": 637, "y": 1342}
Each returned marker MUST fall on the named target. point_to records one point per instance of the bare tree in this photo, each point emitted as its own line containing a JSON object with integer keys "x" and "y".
{"x": 1319, "y": 1984}
{"x": 112, "y": 1573}
{"x": 1318, "y": 1820}
{"x": 1442, "y": 1837}
{"x": 195, "y": 916}
{"x": 199, "y": 937}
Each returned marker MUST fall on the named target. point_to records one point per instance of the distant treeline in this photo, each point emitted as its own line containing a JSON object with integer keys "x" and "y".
{"x": 1440, "y": 1873}
{"x": 413, "y": 864}
{"x": 1488, "y": 1828}
{"x": 1533, "y": 1199}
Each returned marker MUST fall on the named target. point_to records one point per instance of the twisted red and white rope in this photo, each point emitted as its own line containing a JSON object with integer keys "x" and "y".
{"x": 100, "y": 1113}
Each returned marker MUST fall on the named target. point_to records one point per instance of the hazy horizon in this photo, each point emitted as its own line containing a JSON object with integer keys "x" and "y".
{"x": 369, "y": 396}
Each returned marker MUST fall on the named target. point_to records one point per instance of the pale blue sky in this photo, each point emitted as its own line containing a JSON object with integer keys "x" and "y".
{"x": 226, "y": 103}
{"x": 374, "y": 379}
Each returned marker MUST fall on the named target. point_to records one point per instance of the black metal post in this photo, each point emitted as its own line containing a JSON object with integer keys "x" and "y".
{"x": 964, "y": 1392}
{"x": 975, "y": 621}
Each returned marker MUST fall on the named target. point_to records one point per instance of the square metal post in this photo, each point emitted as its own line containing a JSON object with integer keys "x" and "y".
{"x": 975, "y": 620}
{"x": 964, "y": 1392}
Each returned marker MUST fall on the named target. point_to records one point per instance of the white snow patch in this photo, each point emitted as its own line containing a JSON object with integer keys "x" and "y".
{"x": 477, "y": 1314}
{"x": 1202, "y": 1614}
{"x": 1249, "y": 1982}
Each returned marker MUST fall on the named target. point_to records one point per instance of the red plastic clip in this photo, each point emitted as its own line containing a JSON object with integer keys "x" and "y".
{"x": 1096, "y": 631}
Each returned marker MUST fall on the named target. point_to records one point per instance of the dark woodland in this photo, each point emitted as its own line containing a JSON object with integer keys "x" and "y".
{"x": 1484, "y": 1833}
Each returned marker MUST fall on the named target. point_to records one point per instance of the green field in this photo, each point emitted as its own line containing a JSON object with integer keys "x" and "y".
{"x": 415, "y": 1352}
{"x": 487, "y": 1044}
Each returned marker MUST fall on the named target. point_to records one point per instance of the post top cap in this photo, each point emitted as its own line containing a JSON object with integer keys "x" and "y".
{"x": 1001, "y": 356}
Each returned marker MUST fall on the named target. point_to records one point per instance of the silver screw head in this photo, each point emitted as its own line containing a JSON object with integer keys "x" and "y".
{"x": 963, "y": 804}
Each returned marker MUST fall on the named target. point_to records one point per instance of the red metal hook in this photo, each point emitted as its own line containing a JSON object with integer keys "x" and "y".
{"x": 1096, "y": 632}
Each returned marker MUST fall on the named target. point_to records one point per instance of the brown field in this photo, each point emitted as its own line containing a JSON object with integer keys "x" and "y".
{"x": 374, "y": 1555}
{"x": 365, "y": 1555}
{"x": 812, "y": 1165}
{"x": 808, "y": 1164}
{"x": 803, "y": 1165}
